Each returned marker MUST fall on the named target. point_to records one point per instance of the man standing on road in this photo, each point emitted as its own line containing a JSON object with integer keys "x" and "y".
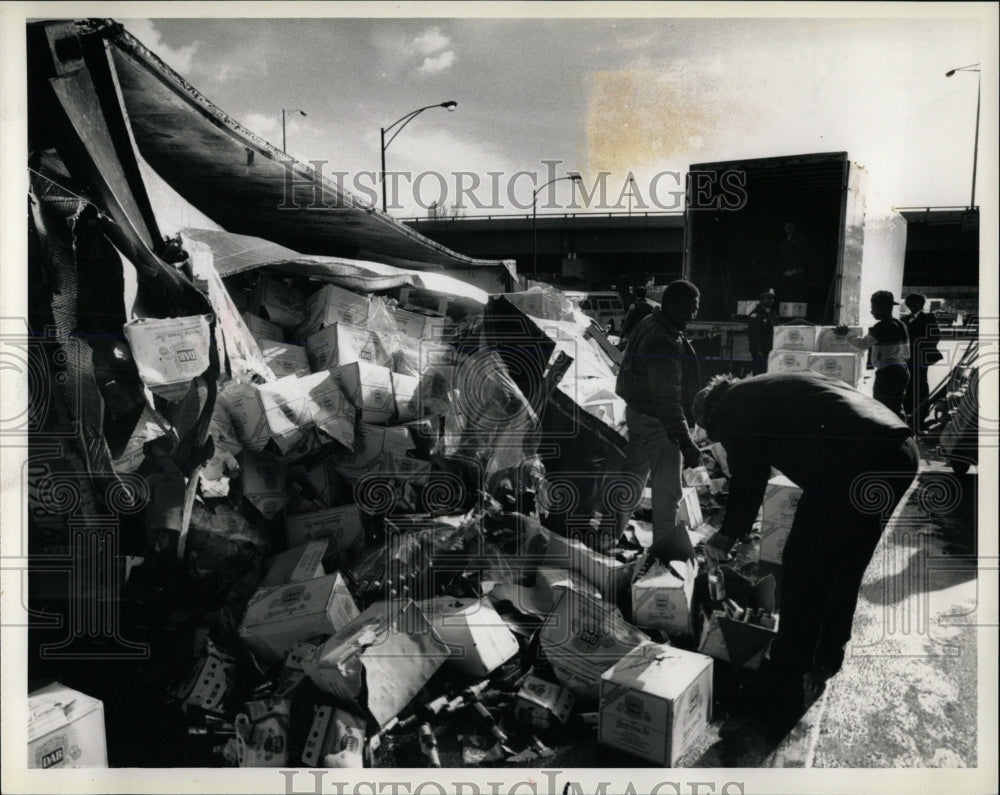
{"x": 658, "y": 380}
{"x": 890, "y": 349}
{"x": 854, "y": 460}
{"x": 922, "y": 328}
{"x": 760, "y": 329}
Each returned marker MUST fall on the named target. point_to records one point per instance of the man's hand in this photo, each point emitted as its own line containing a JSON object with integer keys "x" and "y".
{"x": 692, "y": 457}
{"x": 717, "y": 548}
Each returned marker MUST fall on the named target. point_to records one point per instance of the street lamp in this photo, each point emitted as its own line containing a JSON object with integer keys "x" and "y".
{"x": 450, "y": 105}
{"x": 283, "y": 114}
{"x": 534, "y": 216}
{"x": 975, "y": 144}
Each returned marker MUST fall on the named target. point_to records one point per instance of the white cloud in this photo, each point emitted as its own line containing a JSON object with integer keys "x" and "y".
{"x": 261, "y": 123}
{"x": 430, "y": 41}
{"x": 437, "y": 64}
{"x": 180, "y": 59}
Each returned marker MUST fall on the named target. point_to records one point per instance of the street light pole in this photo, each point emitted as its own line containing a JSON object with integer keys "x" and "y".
{"x": 534, "y": 218}
{"x": 450, "y": 105}
{"x": 284, "y": 112}
{"x": 975, "y": 144}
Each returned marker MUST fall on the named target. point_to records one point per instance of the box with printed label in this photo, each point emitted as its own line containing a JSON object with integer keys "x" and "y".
{"x": 788, "y": 361}
{"x": 543, "y": 704}
{"x": 331, "y": 304}
{"x": 342, "y": 527}
{"x": 583, "y": 637}
{"x": 781, "y": 500}
{"x": 299, "y": 563}
{"x": 65, "y": 729}
{"x": 792, "y": 309}
{"x": 209, "y": 680}
{"x": 844, "y": 367}
{"x": 169, "y": 352}
{"x": 278, "y": 617}
{"x": 795, "y": 338}
{"x": 265, "y": 482}
{"x": 329, "y": 409}
{"x": 284, "y": 358}
{"x": 479, "y": 639}
{"x": 313, "y": 492}
{"x": 372, "y": 444}
{"x": 655, "y": 702}
{"x": 381, "y": 659}
{"x": 406, "y": 396}
{"x": 278, "y": 302}
{"x": 829, "y": 341}
{"x": 369, "y": 388}
{"x": 661, "y": 596}
{"x": 262, "y": 329}
{"x": 275, "y": 412}
{"x": 340, "y": 344}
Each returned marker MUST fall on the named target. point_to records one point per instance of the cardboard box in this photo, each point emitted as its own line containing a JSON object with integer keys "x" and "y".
{"x": 169, "y": 352}
{"x": 406, "y": 397}
{"x": 265, "y": 483}
{"x": 278, "y": 302}
{"x": 788, "y": 361}
{"x": 65, "y": 729}
{"x": 314, "y": 494}
{"x": 543, "y": 704}
{"x": 661, "y": 596}
{"x": 369, "y": 389}
{"x": 335, "y": 732}
{"x": 340, "y": 344}
{"x": 583, "y": 637}
{"x": 791, "y": 309}
{"x": 284, "y": 358}
{"x": 332, "y": 304}
{"x": 781, "y": 500}
{"x": 830, "y": 342}
{"x": 372, "y": 443}
{"x": 380, "y": 660}
{"x": 478, "y": 638}
{"x": 209, "y": 680}
{"x": 736, "y": 640}
{"x": 275, "y": 412}
{"x": 795, "y": 338}
{"x": 278, "y": 617}
{"x": 845, "y": 367}
{"x": 297, "y": 564}
{"x": 329, "y": 409}
{"x": 688, "y": 508}
{"x": 655, "y": 702}
{"x": 341, "y": 527}
{"x": 262, "y": 329}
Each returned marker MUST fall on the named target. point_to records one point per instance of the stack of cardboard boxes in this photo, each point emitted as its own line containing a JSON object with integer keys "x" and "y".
{"x": 816, "y": 348}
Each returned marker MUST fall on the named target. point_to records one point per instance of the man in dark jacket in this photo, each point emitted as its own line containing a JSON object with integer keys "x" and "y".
{"x": 658, "y": 380}
{"x": 636, "y": 312}
{"x": 853, "y": 459}
{"x": 760, "y": 331}
{"x": 922, "y": 328}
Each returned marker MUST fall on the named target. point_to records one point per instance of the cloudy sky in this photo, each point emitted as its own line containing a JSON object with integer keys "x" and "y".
{"x": 612, "y": 95}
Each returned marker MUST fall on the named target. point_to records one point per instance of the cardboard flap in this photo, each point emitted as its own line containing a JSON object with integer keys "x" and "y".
{"x": 743, "y": 640}
{"x": 747, "y": 593}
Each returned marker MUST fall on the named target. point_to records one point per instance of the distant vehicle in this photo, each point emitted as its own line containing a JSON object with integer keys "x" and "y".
{"x": 605, "y": 307}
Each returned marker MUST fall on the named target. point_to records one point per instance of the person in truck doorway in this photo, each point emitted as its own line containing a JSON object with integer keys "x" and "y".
{"x": 890, "y": 347}
{"x": 760, "y": 331}
{"x": 658, "y": 379}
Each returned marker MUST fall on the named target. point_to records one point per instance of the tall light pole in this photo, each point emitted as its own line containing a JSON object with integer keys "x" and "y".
{"x": 283, "y": 114}
{"x": 975, "y": 144}
{"x": 534, "y": 217}
{"x": 450, "y": 105}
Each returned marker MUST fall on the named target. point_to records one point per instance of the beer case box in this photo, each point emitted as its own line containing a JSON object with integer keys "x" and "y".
{"x": 340, "y": 343}
{"x": 829, "y": 341}
{"x": 341, "y": 527}
{"x": 380, "y": 660}
{"x": 795, "y": 338}
{"x": 369, "y": 389}
{"x": 655, "y": 702}
{"x": 373, "y": 445}
{"x": 422, "y": 326}
{"x": 688, "y": 507}
{"x": 169, "y": 352}
{"x": 334, "y": 732}
{"x": 303, "y": 562}
{"x": 284, "y": 358}
{"x": 278, "y": 617}
{"x": 265, "y": 483}
{"x": 583, "y": 637}
{"x": 735, "y": 641}
{"x": 788, "y": 361}
{"x": 844, "y": 366}
{"x": 781, "y": 500}
{"x": 792, "y": 309}
{"x": 262, "y": 329}
{"x": 662, "y": 595}
{"x": 331, "y": 304}
{"x": 329, "y": 409}
{"x": 282, "y": 304}
{"x": 543, "y": 704}
{"x": 406, "y": 396}
{"x": 277, "y": 412}
{"x": 209, "y": 680}
{"x": 65, "y": 729}
{"x": 478, "y": 638}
